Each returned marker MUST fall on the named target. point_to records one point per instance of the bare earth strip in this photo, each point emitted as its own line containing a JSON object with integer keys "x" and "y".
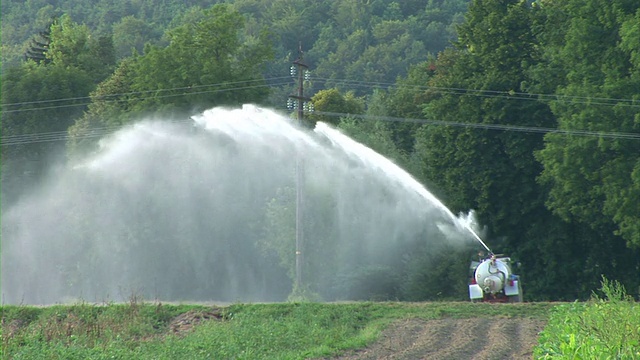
{"x": 411, "y": 339}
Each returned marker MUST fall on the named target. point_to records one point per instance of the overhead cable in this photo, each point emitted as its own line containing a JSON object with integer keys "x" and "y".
{"x": 12, "y": 140}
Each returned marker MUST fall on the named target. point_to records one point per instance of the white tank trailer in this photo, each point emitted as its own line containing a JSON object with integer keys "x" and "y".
{"x": 492, "y": 280}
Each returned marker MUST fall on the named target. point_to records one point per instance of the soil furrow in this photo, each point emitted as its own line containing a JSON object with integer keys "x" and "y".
{"x": 479, "y": 339}
{"x": 464, "y": 342}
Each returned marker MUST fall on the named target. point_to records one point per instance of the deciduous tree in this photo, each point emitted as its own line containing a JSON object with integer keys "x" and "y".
{"x": 597, "y": 74}
{"x": 494, "y": 172}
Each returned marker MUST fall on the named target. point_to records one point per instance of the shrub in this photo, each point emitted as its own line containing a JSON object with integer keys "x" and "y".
{"x": 602, "y": 328}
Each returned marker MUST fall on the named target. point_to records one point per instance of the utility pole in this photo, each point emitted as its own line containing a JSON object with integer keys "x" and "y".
{"x": 300, "y": 69}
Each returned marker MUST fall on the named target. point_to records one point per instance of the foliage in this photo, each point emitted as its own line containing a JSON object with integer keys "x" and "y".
{"x": 493, "y": 172}
{"x": 603, "y": 328}
{"x": 279, "y": 230}
{"x": 406, "y": 101}
{"x": 73, "y": 46}
{"x": 275, "y": 331}
{"x": 202, "y": 60}
{"x": 20, "y": 20}
{"x": 392, "y": 34}
{"x": 434, "y": 274}
{"x": 206, "y": 63}
{"x": 130, "y": 35}
{"x": 39, "y": 103}
{"x": 565, "y": 204}
{"x": 376, "y": 135}
{"x": 593, "y": 176}
{"x": 377, "y": 41}
{"x": 330, "y": 105}
{"x": 496, "y": 171}
{"x": 83, "y": 328}
{"x": 302, "y": 293}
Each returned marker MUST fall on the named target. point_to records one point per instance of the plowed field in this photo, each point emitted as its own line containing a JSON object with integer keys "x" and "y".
{"x": 500, "y": 338}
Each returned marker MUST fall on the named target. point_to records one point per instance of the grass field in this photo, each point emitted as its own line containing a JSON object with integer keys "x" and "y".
{"x": 602, "y": 328}
{"x": 239, "y": 331}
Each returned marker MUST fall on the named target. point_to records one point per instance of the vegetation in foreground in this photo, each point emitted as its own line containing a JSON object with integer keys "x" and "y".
{"x": 241, "y": 331}
{"x": 605, "y": 327}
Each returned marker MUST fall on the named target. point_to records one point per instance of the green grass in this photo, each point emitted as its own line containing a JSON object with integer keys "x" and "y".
{"x": 243, "y": 331}
{"x": 605, "y": 327}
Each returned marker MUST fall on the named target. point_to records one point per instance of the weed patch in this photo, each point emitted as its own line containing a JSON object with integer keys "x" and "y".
{"x": 605, "y": 327}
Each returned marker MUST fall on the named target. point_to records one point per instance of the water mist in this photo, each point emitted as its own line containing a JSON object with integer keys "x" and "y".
{"x": 206, "y": 212}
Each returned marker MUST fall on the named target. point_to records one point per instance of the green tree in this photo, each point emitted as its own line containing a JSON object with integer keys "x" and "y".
{"x": 280, "y": 228}
{"x": 406, "y": 101}
{"x": 130, "y": 34}
{"x": 394, "y": 47}
{"x": 212, "y": 57}
{"x": 319, "y": 243}
{"x": 108, "y": 110}
{"x": 596, "y": 74}
{"x": 351, "y": 15}
{"x": 499, "y": 167}
{"x": 493, "y": 171}
{"x": 39, "y": 103}
{"x": 330, "y": 105}
{"x": 376, "y": 133}
{"x": 73, "y": 45}
{"x": 207, "y": 63}
{"x": 347, "y": 52}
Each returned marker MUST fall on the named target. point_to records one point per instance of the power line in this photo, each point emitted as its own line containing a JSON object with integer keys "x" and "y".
{"x": 145, "y": 98}
{"x": 146, "y": 91}
{"x": 277, "y": 81}
{"x": 511, "y": 95}
{"x": 13, "y": 140}
{"x": 500, "y": 127}
{"x": 114, "y": 97}
{"x": 592, "y": 100}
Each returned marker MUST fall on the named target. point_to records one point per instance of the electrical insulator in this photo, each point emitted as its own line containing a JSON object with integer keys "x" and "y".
{"x": 292, "y": 71}
{"x": 308, "y": 106}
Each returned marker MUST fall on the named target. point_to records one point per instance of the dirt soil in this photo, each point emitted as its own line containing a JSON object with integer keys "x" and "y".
{"x": 442, "y": 339}
{"x": 455, "y": 339}
{"x": 185, "y": 322}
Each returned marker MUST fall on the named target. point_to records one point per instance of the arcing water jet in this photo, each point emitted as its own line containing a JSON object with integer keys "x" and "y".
{"x": 385, "y": 165}
{"x": 165, "y": 212}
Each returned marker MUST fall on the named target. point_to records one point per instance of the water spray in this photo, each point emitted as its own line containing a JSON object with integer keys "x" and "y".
{"x": 478, "y": 238}
{"x": 159, "y": 202}
{"x": 387, "y": 166}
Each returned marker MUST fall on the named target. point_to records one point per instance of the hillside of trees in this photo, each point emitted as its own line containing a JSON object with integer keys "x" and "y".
{"x": 527, "y": 112}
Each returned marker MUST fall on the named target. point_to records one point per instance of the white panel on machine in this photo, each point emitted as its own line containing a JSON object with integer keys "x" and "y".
{"x": 475, "y": 292}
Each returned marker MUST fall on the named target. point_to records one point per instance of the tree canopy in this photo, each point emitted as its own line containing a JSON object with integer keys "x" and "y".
{"x": 527, "y": 112}
{"x": 594, "y": 176}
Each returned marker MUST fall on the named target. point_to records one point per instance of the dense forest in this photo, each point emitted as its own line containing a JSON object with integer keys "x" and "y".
{"x": 527, "y": 112}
